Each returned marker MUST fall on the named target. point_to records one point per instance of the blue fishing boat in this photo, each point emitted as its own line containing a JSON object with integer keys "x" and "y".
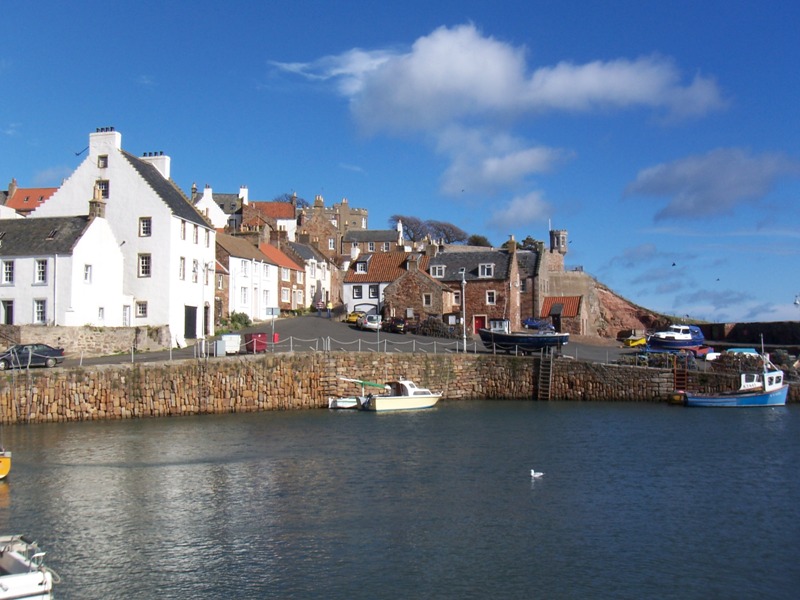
{"x": 677, "y": 337}
{"x": 500, "y": 337}
{"x": 764, "y": 388}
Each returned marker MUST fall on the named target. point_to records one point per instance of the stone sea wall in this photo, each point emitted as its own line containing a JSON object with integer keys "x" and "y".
{"x": 305, "y": 381}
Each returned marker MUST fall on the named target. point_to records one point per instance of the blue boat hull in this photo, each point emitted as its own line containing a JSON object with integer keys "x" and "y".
{"x": 773, "y": 398}
{"x": 522, "y": 341}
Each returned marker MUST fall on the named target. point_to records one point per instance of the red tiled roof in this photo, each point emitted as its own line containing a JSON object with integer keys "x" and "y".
{"x": 382, "y": 267}
{"x": 278, "y": 257}
{"x": 571, "y": 305}
{"x": 28, "y": 199}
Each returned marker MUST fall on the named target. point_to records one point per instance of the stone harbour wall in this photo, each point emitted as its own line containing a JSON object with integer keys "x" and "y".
{"x": 305, "y": 381}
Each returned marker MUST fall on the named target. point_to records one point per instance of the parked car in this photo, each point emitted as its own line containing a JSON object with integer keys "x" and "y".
{"x": 354, "y": 316}
{"x": 395, "y": 325}
{"x": 372, "y": 322}
{"x": 21, "y": 356}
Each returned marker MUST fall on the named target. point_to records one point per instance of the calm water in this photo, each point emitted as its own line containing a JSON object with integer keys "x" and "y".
{"x": 637, "y": 501}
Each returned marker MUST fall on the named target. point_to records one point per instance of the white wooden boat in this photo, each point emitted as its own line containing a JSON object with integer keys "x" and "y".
{"x": 23, "y": 574}
{"x": 401, "y": 395}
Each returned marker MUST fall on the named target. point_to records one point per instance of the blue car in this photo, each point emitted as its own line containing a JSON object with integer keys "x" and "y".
{"x": 22, "y": 356}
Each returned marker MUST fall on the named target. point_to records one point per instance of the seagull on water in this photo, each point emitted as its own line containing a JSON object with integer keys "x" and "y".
{"x": 536, "y": 474}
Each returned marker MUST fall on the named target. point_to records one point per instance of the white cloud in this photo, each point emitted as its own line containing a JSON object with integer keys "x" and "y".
{"x": 712, "y": 184}
{"x": 521, "y": 211}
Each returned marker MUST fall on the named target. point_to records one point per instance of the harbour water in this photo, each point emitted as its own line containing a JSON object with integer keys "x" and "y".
{"x": 636, "y": 501}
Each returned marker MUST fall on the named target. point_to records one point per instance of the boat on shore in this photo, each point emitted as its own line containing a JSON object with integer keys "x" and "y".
{"x": 500, "y": 337}
{"x": 401, "y": 395}
{"x": 23, "y": 574}
{"x": 5, "y": 462}
{"x": 763, "y": 388}
{"x": 677, "y": 337}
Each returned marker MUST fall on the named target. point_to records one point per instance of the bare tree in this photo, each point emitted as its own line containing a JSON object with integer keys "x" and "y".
{"x": 299, "y": 202}
{"x": 414, "y": 229}
{"x": 447, "y": 232}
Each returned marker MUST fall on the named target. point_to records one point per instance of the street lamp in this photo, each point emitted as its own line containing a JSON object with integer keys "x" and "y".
{"x": 464, "y": 308}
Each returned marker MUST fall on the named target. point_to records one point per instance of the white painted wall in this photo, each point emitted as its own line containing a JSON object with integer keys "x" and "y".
{"x": 211, "y": 209}
{"x": 259, "y": 279}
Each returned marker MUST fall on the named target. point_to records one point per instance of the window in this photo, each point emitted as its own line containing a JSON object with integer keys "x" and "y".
{"x": 491, "y": 297}
{"x": 195, "y": 271}
{"x": 373, "y": 291}
{"x": 285, "y": 294}
{"x": 183, "y": 229}
{"x": 437, "y": 271}
{"x": 363, "y": 222}
{"x": 266, "y": 270}
{"x": 385, "y": 246}
{"x": 371, "y": 246}
{"x": 266, "y": 297}
{"x": 219, "y": 282}
{"x": 244, "y": 295}
{"x": 299, "y": 277}
{"x": 182, "y": 268}
{"x": 457, "y": 298}
{"x": 196, "y": 234}
{"x": 208, "y": 238}
{"x": 101, "y": 313}
{"x": 8, "y": 271}
{"x": 102, "y": 161}
{"x": 361, "y": 267}
{"x": 331, "y": 244}
{"x": 39, "y": 311}
{"x": 486, "y": 270}
{"x": 285, "y": 275}
{"x": 312, "y": 270}
{"x": 145, "y": 265}
{"x": 427, "y": 300}
{"x": 145, "y": 227}
{"x": 141, "y": 309}
{"x": 41, "y": 270}
{"x": 87, "y": 273}
{"x": 245, "y": 270}
{"x": 103, "y": 186}
{"x": 358, "y": 293}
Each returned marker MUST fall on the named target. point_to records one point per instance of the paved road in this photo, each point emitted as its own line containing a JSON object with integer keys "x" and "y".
{"x": 313, "y": 333}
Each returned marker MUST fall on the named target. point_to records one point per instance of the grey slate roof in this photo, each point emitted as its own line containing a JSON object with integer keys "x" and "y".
{"x": 172, "y": 196}
{"x": 470, "y": 261}
{"x": 42, "y": 236}
{"x": 307, "y": 252}
{"x": 370, "y": 235}
{"x": 528, "y": 261}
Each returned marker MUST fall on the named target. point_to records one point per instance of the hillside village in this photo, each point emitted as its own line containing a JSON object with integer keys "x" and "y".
{"x": 119, "y": 244}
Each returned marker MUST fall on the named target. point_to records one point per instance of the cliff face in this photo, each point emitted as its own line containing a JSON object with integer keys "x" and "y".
{"x": 618, "y": 316}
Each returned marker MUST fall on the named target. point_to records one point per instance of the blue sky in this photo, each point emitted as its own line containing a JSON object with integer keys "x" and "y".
{"x": 664, "y": 136}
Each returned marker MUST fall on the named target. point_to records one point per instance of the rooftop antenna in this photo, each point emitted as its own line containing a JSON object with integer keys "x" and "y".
{"x": 82, "y": 151}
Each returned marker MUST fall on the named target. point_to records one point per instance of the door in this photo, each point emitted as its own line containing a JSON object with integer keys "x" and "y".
{"x": 8, "y": 312}
{"x": 190, "y": 322}
{"x": 478, "y": 322}
{"x": 126, "y": 316}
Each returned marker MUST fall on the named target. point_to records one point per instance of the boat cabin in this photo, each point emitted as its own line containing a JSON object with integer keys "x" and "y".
{"x": 405, "y": 388}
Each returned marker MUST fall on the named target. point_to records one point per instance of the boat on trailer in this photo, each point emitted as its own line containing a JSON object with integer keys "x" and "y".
{"x": 498, "y": 336}
{"x": 23, "y": 574}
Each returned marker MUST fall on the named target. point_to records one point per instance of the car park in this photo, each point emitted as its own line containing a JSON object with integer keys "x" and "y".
{"x": 22, "y": 356}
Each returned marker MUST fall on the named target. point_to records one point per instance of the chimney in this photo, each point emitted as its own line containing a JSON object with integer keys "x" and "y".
{"x": 104, "y": 141}
{"x": 244, "y": 195}
{"x": 12, "y": 187}
{"x": 160, "y": 161}
{"x": 97, "y": 206}
{"x": 512, "y": 244}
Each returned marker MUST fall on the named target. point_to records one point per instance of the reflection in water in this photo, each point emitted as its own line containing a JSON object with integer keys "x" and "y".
{"x": 425, "y": 504}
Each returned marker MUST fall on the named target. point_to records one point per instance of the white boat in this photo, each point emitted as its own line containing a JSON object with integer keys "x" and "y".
{"x": 355, "y": 401}
{"x": 22, "y": 571}
{"x": 401, "y": 395}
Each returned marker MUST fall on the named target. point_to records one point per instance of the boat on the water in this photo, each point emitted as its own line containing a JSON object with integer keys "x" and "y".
{"x": 498, "y": 336}
{"x": 355, "y": 401}
{"x": 5, "y": 462}
{"x": 677, "y": 337}
{"x": 763, "y": 388}
{"x": 23, "y": 574}
{"x": 400, "y": 395}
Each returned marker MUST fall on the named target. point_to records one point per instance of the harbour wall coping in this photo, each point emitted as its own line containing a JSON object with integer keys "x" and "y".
{"x": 304, "y": 381}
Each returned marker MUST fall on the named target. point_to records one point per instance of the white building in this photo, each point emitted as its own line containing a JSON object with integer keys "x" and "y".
{"x": 318, "y": 273}
{"x": 206, "y": 205}
{"x": 168, "y": 246}
{"x": 252, "y": 278}
{"x": 60, "y": 271}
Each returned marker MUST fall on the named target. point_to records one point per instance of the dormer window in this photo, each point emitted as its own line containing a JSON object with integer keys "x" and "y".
{"x": 361, "y": 267}
{"x": 102, "y": 161}
{"x": 437, "y": 271}
{"x": 486, "y": 270}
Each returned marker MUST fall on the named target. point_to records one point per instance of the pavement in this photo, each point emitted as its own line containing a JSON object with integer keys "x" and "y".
{"x": 319, "y": 333}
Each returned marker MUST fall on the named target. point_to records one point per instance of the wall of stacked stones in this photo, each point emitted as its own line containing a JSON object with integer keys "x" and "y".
{"x": 301, "y": 382}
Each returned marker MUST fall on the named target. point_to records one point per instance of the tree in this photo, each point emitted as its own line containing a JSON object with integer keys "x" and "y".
{"x": 478, "y": 240}
{"x": 300, "y": 202}
{"x": 446, "y": 232}
{"x": 414, "y": 229}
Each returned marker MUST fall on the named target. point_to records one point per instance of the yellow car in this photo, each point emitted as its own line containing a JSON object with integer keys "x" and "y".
{"x": 353, "y": 316}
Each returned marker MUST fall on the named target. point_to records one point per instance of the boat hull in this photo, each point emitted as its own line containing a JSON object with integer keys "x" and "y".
{"x": 351, "y": 402}
{"x": 5, "y": 464}
{"x": 736, "y": 399}
{"x": 386, "y": 403}
{"x": 521, "y": 341}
